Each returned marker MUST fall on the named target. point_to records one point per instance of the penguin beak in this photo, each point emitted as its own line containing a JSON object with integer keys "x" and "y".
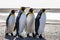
{"x": 16, "y": 11}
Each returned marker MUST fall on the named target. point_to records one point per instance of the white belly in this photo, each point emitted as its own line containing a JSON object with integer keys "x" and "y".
{"x": 22, "y": 23}
{"x": 11, "y": 24}
{"x": 12, "y": 20}
{"x": 30, "y": 24}
{"x": 42, "y": 24}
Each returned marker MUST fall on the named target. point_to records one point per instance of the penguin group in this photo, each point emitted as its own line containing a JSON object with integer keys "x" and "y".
{"x": 26, "y": 21}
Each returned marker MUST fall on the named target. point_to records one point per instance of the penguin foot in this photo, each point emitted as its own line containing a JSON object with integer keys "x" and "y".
{"x": 6, "y": 34}
{"x": 34, "y": 35}
{"x": 28, "y": 35}
{"x": 40, "y": 37}
{"x": 11, "y": 34}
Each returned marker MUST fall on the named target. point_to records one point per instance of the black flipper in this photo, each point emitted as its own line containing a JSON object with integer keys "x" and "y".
{"x": 27, "y": 14}
{"x": 7, "y": 19}
{"x": 17, "y": 21}
{"x": 37, "y": 22}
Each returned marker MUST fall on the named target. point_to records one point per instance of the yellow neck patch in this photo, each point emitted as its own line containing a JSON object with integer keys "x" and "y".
{"x": 23, "y": 12}
{"x": 43, "y": 13}
{"x": 13, "y": 14}
{"x": 31, "y": 13}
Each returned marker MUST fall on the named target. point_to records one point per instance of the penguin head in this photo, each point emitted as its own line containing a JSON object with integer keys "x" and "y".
{"x": 23, "y": 8}
{"x": 12, "y": 11}
{"x": 31, "y": 10}
{"x": 43, "y": 10}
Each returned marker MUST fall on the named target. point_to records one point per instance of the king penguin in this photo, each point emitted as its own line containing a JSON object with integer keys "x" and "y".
{"x": 10, "y": 23}
{"x": 30, "y": 22}
{"x": 40, "y": 22}
{"x": 18, "y": 21}
{"x": 22, "y": 22}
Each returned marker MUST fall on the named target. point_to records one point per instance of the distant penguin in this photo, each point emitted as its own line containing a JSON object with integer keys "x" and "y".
{"x": 30, "y": 22}
{"x": 40, "y": 22}
{"x": 10, "y": 23}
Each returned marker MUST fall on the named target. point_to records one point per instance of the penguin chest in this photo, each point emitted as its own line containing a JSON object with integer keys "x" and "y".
{"x": 11, "y": 24}
{"x": 43, "y": 18}
{"x": 30, "y": 18}
{"x": 22, "y": 22}
{"x": 11, "y": 21}
{"x": 22, "y": 19}
{"x": 30, "y": 23}
{"x": 42, "y": 24}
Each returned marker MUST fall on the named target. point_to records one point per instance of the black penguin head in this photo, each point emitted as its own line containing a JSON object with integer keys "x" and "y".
{"x": 43, "y": 10}
{"x": 31, "y": 10}
{"x": 12, "y": 11}
{"x": 22, "y": 8}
